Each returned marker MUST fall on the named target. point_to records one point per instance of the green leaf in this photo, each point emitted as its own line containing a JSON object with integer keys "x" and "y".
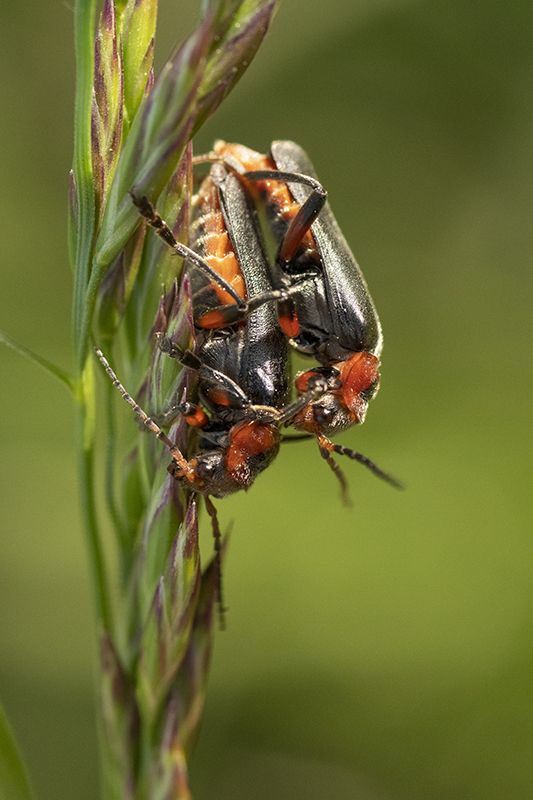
{"x": 72, "y": 220}
{"x": 84, "y": 17}
{"x": 236, "y": 39}
{"x": 57, "y": 372}
{"x": 155, "y": 144}
{"x": 168, "y": 774}
{"x": 14, "y": 782}
{"x": 190, "y": 685}
{"x": 116, "y": 288}
{"x": 160, "y": 266}
{"x": 189, "y": 88}
{"x": 167, "y": 627}
{"x": 138, "y": 31}
{"x": 119, "y": 719}
{"x": 108, "y": 101}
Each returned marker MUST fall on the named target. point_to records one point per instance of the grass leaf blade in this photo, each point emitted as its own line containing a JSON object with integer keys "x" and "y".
{"x": 14, "y": 782}
{"x": 37, "y": 359}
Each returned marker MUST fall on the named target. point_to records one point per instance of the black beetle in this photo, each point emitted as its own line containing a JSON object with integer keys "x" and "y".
{"x": 243, "y": 369}
{"x": 324, "y": 305}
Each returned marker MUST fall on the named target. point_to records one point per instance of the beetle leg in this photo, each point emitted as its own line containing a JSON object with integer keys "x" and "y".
{"x": 220, "y": 316}
{"x": 211, "y": 510}
{"x": 189, "y": 359}
{"x": 193, "y": 415}
{"x": 318, "y": 387}
{"x": 306, "y": 215}
{"x": 339, "y": 474}
{"x": 163, "y": 231}
{"x": 206, "y": 158}
{"x": 308, "y": 212}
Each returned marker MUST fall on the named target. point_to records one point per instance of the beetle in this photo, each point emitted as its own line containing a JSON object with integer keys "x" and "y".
{"x": 324, "y": 305}
{"x": 234, "y": 447}
{"x": 243, "y": 378}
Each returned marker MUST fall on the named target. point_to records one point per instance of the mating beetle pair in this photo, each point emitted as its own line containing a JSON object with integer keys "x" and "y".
{"x": 243, "y": 376}
{"x": 246, "y": 310}
{"x": 330, "y": 315}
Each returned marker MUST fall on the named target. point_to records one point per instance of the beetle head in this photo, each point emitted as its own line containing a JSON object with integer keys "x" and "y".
{"x": 252, "y": 447}
{"x": 351, "y": 385}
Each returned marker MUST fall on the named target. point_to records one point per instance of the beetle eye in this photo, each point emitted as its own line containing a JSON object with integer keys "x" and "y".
{"x": 175, "y": 470}
{"x": 371, "y": 391}
{"x": 321, "y": 414}
{"x": 204, "y": 470}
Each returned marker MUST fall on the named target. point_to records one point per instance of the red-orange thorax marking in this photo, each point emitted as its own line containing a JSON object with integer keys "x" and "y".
{"x": 247, "y": 440}
{"x": 356, "y": 374}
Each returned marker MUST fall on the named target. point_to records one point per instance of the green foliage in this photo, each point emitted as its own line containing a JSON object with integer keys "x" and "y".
{"x": 14, "y": 783}
{"x": 383, "y": 651}
{"x": 52, "y": 369}
{"x": 133, "y": 135}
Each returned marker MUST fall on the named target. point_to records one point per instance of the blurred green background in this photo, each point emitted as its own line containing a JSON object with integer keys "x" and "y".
{"x": 381, "y": 652}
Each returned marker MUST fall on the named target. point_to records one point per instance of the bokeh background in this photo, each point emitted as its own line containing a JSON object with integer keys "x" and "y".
{"x": 382, "y": 652}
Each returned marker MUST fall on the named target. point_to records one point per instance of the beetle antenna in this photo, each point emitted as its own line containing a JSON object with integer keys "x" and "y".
{"x": 175, "y": 452}
{"x": 366, "y": 462}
